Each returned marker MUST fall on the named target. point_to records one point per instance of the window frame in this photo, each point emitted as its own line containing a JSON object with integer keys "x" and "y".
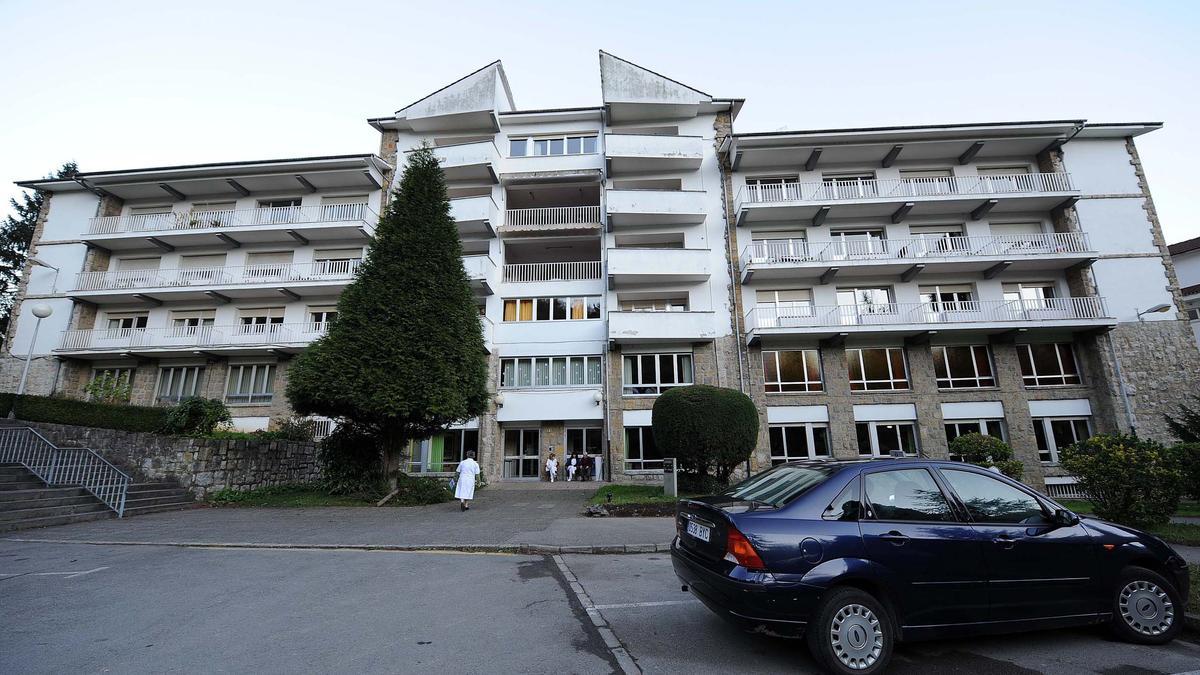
{"x": 865, "y": 381}
{"x": 172, "y": 372}
{"x": 252, "y": 397}
{"x": 1050, "y": 454}
{"x": 1025, "y": 351}
{"x": 873, "y": 437}
{"x": 568, "y": 302}
{"x": 948, "y": 383}
{"x": 808, "y": 386}
{"x": 640, "y": 464}
{"x": 530, "y": 144}
{"x": 965, "y": 508}
{"x": 534, "y": 362}
{"x": 658, "y": 386}
{"x": 869, "y": 513}
{"x": 810, "y": 436}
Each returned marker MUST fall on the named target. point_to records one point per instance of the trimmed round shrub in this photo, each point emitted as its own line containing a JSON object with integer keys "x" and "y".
{"x": 987, "y": 451}
{"x": 195, "y": 416}
{"x": 709, "y": 430}
{"x": 1128, "y": 480}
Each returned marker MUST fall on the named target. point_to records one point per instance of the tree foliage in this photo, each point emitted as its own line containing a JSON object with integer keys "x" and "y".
{"x": 709, "y": 430}
{"x": 405, "y": 357}
{"x": 16, "y": 235}
{"x": 1186, "y": 423}
{"x": 1128, "y": 480}
{"x": 196, "y": 416}
{"x": 987, "y": 451}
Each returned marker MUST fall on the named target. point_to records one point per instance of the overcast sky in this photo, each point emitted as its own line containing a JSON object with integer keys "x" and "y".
{"x": 132, "y": 84}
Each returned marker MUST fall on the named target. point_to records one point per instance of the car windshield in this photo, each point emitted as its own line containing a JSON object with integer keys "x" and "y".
{"x": 780, "y": 485}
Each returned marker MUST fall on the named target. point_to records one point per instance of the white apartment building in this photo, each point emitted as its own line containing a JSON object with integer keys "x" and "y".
{"x": 872, "y": 289}
{"x": 1186, "y": 256}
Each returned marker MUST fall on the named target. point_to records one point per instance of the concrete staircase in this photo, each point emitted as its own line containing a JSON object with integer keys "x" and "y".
{"x": 26, "y": 501}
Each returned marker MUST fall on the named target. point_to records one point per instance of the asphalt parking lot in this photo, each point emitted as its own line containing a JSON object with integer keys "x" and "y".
{"x": 81, "y": 607}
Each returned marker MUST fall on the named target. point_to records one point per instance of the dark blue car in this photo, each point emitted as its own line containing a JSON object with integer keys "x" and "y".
{"x": 859, "y": 555}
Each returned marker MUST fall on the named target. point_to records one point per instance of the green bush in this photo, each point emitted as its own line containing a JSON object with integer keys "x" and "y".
{"x": 351, "y": 462}
{"x": 88, "y": 414}
{"x": 709, "y": 430}
{"x": 195, "y": 416}
{"x": 1128, "y": 480}
{"x": 420, "y": 490}
{"x": 1189, "y": 455}
{"x": 6, "y": 403}
{"x": 987, "y": 451}
{"x": 1186, "y": 424}
{"x": 292, "y": 429}
{"x": 108, "y": 388}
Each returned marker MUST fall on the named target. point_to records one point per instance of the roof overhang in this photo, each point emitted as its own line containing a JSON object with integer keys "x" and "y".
{"x": 1118, "y": 129}
{"x": 228, "y": 179}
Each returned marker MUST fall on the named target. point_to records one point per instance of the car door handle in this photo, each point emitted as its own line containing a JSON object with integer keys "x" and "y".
{"x": 1005, "y": 541}
{"x": 896, "y": 538}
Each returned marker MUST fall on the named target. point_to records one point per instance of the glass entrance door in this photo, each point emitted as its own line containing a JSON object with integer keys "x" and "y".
{"x": 521, "y": 453}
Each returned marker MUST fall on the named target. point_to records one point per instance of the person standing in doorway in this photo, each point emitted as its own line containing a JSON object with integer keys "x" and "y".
{"x": 464, "y": 491}
{"x": 551, "y": 467}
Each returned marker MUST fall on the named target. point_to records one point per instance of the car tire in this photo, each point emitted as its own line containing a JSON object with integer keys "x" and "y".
{"x": 851, "y": 632}
{"x": 1146, "y": 608}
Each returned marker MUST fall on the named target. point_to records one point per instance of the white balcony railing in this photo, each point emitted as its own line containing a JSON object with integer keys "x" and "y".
{"x": 551, "y": 217}
{"x": 897, "y": 188}
{"x": 795, "y": 251}
{"x": 801, "y": 315}
{"x": 552, "y": 271}
{"x": 195, "y": 220}
{"x": 192, "y": 336}
{"x": 269, "y": 273}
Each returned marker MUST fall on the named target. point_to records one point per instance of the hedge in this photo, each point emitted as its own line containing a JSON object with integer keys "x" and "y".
{"x": 83, "y": 413}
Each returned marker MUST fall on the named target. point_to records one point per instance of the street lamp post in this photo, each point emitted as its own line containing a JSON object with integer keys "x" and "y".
{"x": 40, "y": 311}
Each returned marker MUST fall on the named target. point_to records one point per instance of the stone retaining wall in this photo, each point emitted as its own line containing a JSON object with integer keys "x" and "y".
{"x": 199, "y": 464}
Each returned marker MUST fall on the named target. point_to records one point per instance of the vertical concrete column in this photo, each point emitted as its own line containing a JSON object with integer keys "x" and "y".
{"x": 844, "y": 443}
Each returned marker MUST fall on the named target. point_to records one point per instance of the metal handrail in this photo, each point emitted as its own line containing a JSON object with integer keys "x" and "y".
{"x": 925, "y": 186}
{"x": 263, "y": 273}
{"x": 552, "y": 215}
{"x": 552, "y": 271}
{"x": 800, "y": 314}
{"x": 193, "y": 336}
{"x": 65, "y": 466}
{"x": 266, "y": 215}
{"x": 794, "y": 251}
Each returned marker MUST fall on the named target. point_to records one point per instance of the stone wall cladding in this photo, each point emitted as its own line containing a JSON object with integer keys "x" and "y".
{"x": 201, "y": 465}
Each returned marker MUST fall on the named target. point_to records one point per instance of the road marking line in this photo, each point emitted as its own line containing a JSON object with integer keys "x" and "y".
{"x": 65, "y": 575}
{"x": 661, "y": 603}
{"x": 80, "y": 574}
{"x": 611, "y": 641}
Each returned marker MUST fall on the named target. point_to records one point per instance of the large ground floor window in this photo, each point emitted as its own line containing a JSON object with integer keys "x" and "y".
{"x": 443, "y": 451}
{"x": 640, "y": 451}
{"x": 250, "y": 383}
{"x": 176, "y": 383}
{"x": 790, "y": 442}
{"x": 987, "y": 427}
{"x": 880, "y": 439}
{"x": 1055, "y": 433}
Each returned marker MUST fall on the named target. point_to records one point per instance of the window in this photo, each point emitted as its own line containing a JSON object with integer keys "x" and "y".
{"x": 177, "y": 383}
{"x": 1055, "y": 433}
{"x": 858, "y": 243}
{"x": 124, "y": 325}
{"x": 655, "y": 373}
{"x": 986, "y": 426}
{"x": 989, "y": 500}
{"x": 443, "y": 452}
{"x": 267, "y": 266}
{"x": 928, "y": 181}
{"x": 279, "y": 210}
{"x": 782, "y": 308}
{"x": 552, "y": 309}
{"x": 640, "y": 451}
{"x": 877, "y": 369}
{"x": 880, "y": 439}
{"x": 906, "y": 494}
{"x": 583, "y": 441}
{"x": 1048, "y": 365}
{"x": 191, "y": 324}
{"x": 349, "y": 207}
{"x": 211, "y": 214}
{"x": 846, "y": 506}
{"x": 798, "y": 370}
{"x": 856, "y": 303}
{"x": 790, "y": 442}
{"x": 250, "y": 383}
{"x": 321, "y": 317}
{"x": 963, "y": 367}
{"x": 780, "y": 485}
{"x": 1030, "y": 295}
{"x": 655, "y": 305}
{"x": 336, "y": 262}
{"x": 201, "y": 269}
{"x": 110, "y": 385}
{"x": 262, "y": 321}
{"x": 779, "y": 246}
{"x": 773, "y": 188}
{"x": 849, "y": 185}
{"x": 550, "y": 371}
{"x": 584, "y": 144}
{"x": 948, "y": 297}
{"x": 1006, "y": 179}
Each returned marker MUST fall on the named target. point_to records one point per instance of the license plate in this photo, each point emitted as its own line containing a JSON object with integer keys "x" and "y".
{"x": 699, "y": 531}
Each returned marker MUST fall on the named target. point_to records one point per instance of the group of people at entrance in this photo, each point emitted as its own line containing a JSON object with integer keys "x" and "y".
{"x": 577, "y": 467}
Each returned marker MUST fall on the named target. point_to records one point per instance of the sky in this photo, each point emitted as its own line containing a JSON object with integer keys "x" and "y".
{"x": 119, "y": 85}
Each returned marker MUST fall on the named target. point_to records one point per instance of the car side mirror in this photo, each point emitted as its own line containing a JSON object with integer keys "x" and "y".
{"x": 1065, "y": 518}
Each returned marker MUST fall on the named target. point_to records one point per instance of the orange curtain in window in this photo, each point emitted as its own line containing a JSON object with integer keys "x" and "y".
{"x": 577, "y": 311}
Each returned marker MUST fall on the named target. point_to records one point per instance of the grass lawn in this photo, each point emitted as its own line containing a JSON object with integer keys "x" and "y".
{"x": 286, "y": 496}
{"x": 1185, "y": 534}
{"x": 1186, "y": 508}
{"x": 633, "y": 494}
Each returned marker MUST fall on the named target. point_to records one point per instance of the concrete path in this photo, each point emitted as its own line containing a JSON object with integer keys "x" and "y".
{"x": 507, "y": 518}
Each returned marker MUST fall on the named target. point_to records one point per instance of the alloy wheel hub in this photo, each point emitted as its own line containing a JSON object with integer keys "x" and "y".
{"x": 856, "y": 636}
{"x": 1146, "y": 608}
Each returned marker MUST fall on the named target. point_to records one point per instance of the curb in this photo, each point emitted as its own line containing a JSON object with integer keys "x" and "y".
{"x": 523, "y": 549}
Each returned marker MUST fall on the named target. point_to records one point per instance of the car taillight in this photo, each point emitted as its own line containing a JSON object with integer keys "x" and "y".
{"x": 739, "y": 550}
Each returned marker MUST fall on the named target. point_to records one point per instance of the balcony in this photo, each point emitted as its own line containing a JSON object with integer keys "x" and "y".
{"x": 634, "y": 266}
{"x": 645, "y": 153}
{"x": 528, "y": 167}
{"x": 489, "y": 333}
{"x": 552, "y": 219}
{"x": 901, "y": 197}
{"x": 640, "y": 327}
{"x": 482, "y": 273}
{"x": 585, "y": 270}
{"x": 787, "y": 259}
{"x": 294, "y": 224}
{"x": 984, "y": 316}
{"x": 230, "y": 340}
{"x": 475, "y": 162}
{"x": 638, "y": 208}
{"x": 476, "y": 217}
{"x": 327, "y": 277}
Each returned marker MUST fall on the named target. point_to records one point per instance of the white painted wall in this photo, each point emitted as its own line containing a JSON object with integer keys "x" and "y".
{"x": 1187, "y": 268}
{"x": 69, "y": 215}
{"x": 1100, "y": 166}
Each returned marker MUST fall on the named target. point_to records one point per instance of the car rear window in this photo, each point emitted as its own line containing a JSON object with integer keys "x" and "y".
{"x": 781, "y": 484}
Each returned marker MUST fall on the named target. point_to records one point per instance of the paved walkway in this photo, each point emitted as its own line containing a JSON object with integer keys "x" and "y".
{"x": 499, "y": 518}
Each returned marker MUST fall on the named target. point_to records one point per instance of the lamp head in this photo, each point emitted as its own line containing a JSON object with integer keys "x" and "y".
{"x": 42, "y": 310}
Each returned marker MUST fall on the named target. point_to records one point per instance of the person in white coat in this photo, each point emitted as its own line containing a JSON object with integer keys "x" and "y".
{"x": 464, "y": 491}
{"x": 552, "y": 467}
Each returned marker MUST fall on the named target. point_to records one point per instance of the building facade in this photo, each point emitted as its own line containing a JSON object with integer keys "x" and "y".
{"x": 872, "y": 289}
{"x": 1186, "y": 256}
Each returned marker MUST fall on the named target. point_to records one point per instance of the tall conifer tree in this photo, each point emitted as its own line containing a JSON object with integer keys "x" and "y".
{"x": 405, "y": 356}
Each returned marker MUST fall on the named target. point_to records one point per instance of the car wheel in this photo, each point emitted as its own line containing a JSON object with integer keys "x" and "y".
{"x": 852, "y": 633}
{"x": 1146, "y": 608}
